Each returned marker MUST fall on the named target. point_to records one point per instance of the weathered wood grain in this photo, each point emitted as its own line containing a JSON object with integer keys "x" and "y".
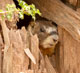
{"x": 60, "y": 67}
{"x": 49, "y": 67}
{"x": 4, "y": 2}
{"x": 20, "y": 60}
{"x": 78, "y": 4}
{"x": 1, "y": 48}
{"x": 69, "y": 53}
{"x": 73, "y": 2}
{"x": 35, "y": 52}
{"x": 7, "y": 60}
{"x": 64, "y": 16}
{"x": 29, "y": 71}
{"x": 5, "y": 31}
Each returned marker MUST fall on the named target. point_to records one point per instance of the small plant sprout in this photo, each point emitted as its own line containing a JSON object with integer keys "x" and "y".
{"x": 25, "y": 9}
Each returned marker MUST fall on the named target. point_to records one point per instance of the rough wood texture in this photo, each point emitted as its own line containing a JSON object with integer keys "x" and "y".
{"x": 78, "y": 4}
{"x": 4, "y": 2}
{"x": 1, "y": 48}
{"x": 15, "y": 59}
{"x": 61, "y": 51}
{"x": 69, "y": 53}
{"x": 56, "y": 11}
{"x": 6, "y": 39}
{"x": 5, "y": 31}
{"x": 35, "y": 51}
{"x": 73, "y": 2}
{"x": 7, "y": 60}
{"x": 20, "y": 60}
{"x": 49, "y": 67}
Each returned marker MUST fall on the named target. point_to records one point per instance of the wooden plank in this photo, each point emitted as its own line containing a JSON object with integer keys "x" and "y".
{"x": 29, "y": 71}
{"x": 1, "y": 42}
{"x": 1, "y": 48}
{"x": 49, "y": 67}
{"x": 42, "y": 63}
{"x": 20, "y": 60}
{"x": 25, "y": 37}
{"x": 69, "y": 53}
{"x": 26, "y": 41}
{"x": 61, "y": 51}
{"x": 5, "y": 31}
{"x": 35, "y": 52}
{"x": 7, "y": 60}
{"x": 64, "y": 16}
{"x": 44, "y": 71}
{"x": 7, "y": 50}
{"x": 17, "y": 51}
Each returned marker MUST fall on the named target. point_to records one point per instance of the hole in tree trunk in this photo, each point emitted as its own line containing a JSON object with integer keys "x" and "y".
{"x": 26, "y": 19}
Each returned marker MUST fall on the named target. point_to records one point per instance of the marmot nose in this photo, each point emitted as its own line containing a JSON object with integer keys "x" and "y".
{"x": 55, "y": 37}
{"x": 54, "y": 40}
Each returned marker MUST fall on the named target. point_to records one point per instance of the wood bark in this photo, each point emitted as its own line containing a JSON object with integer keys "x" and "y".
{"x": 78, "y": 4}
{"x": 1, "y": 48}
{"x": 69, "y": 53}
{"x": 35, "y": 52}
{"x": 49, "y": 67}
{"x": 20, "y": 60}
{"x": 2, "y": 6}
{"x": 64, "y": 16}
{"x": 73, "y": 2}
{"x": 3, "y": 3}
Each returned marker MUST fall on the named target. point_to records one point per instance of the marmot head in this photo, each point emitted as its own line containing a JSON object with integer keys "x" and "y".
{"x": 46, "y": 31}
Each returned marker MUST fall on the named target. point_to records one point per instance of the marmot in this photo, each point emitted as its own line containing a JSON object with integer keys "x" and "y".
{"x": 47, "y": 34}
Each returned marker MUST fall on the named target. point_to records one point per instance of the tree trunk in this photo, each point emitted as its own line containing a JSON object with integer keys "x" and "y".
{"x": 69, "y": 53}
{"x": 3, "y": 4}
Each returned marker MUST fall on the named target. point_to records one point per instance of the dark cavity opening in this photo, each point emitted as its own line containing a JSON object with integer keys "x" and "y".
{"x": 25, "y": 21}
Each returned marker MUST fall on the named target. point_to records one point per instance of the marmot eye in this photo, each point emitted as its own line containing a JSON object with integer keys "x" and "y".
{"x": 42, "y": 30}
{"x": 32, "y": 26}
{"x": 53, "y": 33}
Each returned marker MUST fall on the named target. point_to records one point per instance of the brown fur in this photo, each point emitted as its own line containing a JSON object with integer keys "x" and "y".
{"x": 47, "y": 33}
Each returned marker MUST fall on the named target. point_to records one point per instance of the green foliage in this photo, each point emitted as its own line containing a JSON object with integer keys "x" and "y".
{"x": 25, "y": 9}
{"x": 1, "y": 10}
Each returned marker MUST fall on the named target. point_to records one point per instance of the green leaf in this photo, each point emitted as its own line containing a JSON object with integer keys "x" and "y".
{"x": 9, "y": 16}
{"x": 21, "y": 3}
{"x": 25, "y": 9}
{"x": 28, "y": 9}
{"x": 34, "y": 17}
{"x": 21, "y": 15}
{"x": 1, "y": 10}
{"x": 3, "y": 16}
{"x": 38, "y": 12}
